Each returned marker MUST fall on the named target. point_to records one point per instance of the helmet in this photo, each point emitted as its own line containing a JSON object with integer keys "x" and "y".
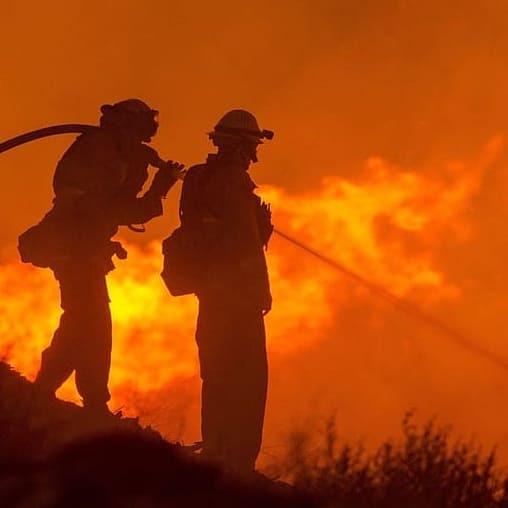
{"x": 133, "y": 114}
{"x": 236, "y": 126}
{"x": 133, "y": 106}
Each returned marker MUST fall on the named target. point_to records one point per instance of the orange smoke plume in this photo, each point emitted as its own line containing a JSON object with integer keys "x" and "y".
{"x": 388, "y": 224}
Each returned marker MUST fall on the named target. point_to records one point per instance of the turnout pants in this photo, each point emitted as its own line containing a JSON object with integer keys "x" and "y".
{"x": 82, "y": 342}
{"x": 232, "y": 353}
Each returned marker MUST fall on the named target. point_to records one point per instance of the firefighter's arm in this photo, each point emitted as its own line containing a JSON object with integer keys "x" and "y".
{"x": 264, "y": 221}
{"x": 140, "y": 210}
{"x": 168, "y": 174}
{"x": 241, "y": 214}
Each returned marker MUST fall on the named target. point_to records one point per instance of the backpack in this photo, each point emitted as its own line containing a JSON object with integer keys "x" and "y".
{"x": 197, "y": 250}
{"x": 181, "y": 267}
{"x": 43, "y": 244}
{"x": 185, "y": 250}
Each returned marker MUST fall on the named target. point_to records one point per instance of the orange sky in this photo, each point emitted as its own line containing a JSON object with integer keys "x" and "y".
{"x": 417, "y": 84}
{"x": 337, "y": 80}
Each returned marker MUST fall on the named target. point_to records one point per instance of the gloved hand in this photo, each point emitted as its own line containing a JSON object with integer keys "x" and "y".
{"x": 118, "y": 250}
{"x": 264, "y": 219}
{"x": 166, "y": 177}
{"x": 266, "y": 304}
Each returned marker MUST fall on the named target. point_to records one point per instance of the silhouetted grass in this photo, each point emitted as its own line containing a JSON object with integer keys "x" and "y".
{"x": 425, "y": 469}
{"x": 52, "y": 456}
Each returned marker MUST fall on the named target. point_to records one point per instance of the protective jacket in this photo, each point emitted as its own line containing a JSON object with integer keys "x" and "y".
{"x": 96, "y": 184}
{"x": 229, "y": 229}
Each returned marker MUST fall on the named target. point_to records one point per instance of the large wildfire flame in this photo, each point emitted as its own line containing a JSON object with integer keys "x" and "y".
{"x": 388, "y": 224}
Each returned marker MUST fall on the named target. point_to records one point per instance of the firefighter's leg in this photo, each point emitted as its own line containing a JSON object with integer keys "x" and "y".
{"x": 232, "y": 352}
{"x": 213, "y": 405}
{"x": 247, "y": 389}
{"x": 93, "y": 362}
{"x": 213, "y": 417}
{"x": 58, "y": 360}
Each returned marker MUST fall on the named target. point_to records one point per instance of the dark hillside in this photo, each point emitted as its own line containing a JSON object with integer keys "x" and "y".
{"x": 54, "y": 456}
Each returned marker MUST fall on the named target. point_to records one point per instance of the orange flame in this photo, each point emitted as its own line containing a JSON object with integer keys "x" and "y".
{"x": 387, "y": 224}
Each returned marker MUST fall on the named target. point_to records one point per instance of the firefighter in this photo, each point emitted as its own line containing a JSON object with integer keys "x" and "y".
{"x": 96, "y": 186}
{"x": 230, "y": 227}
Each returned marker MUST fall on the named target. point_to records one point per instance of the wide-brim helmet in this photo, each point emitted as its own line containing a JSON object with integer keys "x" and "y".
{"x": 239, "y": 125}
{"x": 135, "y": 106}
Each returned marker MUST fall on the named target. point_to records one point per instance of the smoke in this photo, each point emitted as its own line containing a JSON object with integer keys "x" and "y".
{"x": 399, "y": 105}
{"x": 338, "y": 82}
{"x": 333, "y": 345}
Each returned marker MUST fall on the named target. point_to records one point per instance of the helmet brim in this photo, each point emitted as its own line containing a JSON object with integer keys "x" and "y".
{"x": 240, "y": 136}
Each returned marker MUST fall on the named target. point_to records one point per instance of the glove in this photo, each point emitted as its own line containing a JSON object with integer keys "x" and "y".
{"x": 118, "y": 250}
{"x": 266, "y": 304}
{"x": 264, "y": 219}
{"x": 165, "y": 178}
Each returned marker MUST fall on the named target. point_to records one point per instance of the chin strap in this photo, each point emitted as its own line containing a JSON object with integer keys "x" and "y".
{"x": 137, "y": 228}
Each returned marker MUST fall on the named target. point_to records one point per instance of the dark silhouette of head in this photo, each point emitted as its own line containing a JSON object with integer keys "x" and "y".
{"x": 237, "y": 133}
{"x": 132, "y": 117}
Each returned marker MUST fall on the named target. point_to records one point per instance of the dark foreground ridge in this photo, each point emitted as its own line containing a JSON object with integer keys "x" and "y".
{"x": 57, "y": 456}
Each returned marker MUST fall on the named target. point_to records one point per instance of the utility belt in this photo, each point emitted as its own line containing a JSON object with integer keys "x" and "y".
{"x": 53, "y": 244}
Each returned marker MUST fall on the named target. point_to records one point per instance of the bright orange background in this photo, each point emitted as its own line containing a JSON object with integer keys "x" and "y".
{"x": 420, "y": 85}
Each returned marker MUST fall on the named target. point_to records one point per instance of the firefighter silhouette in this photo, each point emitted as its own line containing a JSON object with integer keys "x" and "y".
{"x": 96, "y": 186}
{"x": 229, "y": 227}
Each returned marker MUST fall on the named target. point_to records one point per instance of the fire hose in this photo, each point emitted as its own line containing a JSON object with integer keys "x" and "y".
{"x": 399, "y": 303}
{"x": 402, "y": 305}
{"x": 53, "y": 130}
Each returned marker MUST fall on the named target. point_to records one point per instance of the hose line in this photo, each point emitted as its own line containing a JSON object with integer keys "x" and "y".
{"x": 403, "y": 305}
{"x": 52, "y": 130}
{"x": 399, "y": 303}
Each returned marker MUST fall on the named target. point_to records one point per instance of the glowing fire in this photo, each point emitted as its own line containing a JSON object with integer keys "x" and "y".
{"x": 386, "y": 224}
